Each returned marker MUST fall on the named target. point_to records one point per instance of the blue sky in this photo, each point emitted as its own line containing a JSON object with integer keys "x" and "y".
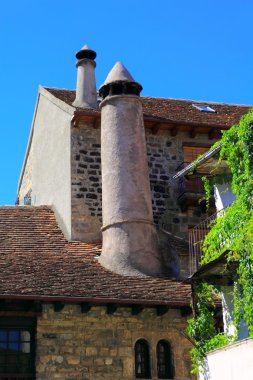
{"x": 199, "y": 50}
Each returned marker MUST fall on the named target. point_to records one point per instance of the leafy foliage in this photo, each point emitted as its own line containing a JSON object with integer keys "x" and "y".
{"x": 202, "y": 327}
{"x": 231, "y": 232}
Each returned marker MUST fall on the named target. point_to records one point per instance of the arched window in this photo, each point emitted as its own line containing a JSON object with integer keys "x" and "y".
{"x": 165, "y": 367}
{"x": 142, "y": 362}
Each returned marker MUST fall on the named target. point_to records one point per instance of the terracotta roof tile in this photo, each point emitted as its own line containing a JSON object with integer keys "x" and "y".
{"x": 176, "y": 110}
{"x": 36, "y": 260}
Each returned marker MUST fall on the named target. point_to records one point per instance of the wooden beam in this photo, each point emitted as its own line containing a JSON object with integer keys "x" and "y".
{"x": 37, "y": 306}
{"x": 75, "y": 121}
{"x": 97, "y": 123}
{"x": 161, "y": 310}
{"x": 155, "y": 128}
{"x": 58, "y": 306}
{"x": 174, "y": 131}
{"x": 211, "y": 134}
{"x": 111, "y": 308}
{"x": 28, "y": 305}
{"x": 85, "y": 307}
{"x": 137, "y": 309}
{"x": 185, "y": 311}
{"x": 22, "y": 306}
{"x": 193, "y": 133}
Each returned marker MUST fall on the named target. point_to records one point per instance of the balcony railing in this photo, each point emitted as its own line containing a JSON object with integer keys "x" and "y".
{"x": 196, "y": 238}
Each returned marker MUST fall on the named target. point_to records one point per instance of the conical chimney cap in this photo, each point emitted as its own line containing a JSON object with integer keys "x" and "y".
{"x": 86, "y": 52}
{"x": 118, "y": 73}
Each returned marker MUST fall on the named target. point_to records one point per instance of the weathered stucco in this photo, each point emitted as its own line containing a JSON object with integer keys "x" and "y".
{"x": 86, "y": 94}
{"x": 129, "y": 235}
{"x": 47, "y": 167}
{"x": 96, "y": 346}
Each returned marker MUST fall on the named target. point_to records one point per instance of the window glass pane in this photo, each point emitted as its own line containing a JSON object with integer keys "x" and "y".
{"x": 165, "y": 368}
{"x": 14, "y": 335}
{"x": 142, "y": 364}
{"x": 25, "y": 336}
{"x": 25, "y": 347}
{"x": 14, "y": 346}
{"x": 3, "y": 335}
{"x": 16, "y": 350}
{"x": 3, "y": 345}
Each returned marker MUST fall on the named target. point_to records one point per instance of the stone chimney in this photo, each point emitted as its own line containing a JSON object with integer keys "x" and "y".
{"x": 129, "y": 234}
{"x": 86, "y": 94}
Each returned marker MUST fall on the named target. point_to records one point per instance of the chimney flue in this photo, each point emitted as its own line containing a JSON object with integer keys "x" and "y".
{"x": 129, "y": 234}
{"x": 86, "y": 94}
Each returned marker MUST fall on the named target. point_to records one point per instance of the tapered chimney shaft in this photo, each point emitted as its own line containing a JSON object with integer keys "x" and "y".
{"x": 86, "y": 94}
{"x": 129, "y": 234}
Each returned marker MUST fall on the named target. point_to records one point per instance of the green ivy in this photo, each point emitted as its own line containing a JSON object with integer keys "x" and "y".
{"x": 232, "y": 232}
{"x": 201, "y": 328}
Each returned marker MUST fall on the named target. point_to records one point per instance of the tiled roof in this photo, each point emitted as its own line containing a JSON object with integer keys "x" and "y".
{"x": 37, "y": 261}
{"x": 176, "y": 110}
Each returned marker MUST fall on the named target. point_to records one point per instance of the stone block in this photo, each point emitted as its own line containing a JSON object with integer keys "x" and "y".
{"x": 73, "y": 360}
{"x": 91, "y": 351}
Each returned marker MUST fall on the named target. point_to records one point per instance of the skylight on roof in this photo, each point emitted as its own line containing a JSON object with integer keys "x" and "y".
{"x": 203, "y": 107}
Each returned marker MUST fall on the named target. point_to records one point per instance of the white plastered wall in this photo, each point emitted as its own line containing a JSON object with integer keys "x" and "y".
{"x": 223, "y": 196}
{"x": 48, "y": 155}
{"x": 232, "y": 362}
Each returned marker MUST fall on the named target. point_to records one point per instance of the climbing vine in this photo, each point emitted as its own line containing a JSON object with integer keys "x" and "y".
{"x": 201, "y": 328}
{"x": 231, "y": 232}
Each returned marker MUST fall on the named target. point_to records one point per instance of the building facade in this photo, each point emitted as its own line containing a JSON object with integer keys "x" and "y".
{"x": 71, "y": 308}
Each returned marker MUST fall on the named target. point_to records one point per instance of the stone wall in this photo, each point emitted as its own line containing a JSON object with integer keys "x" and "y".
{"x": 165, "y": 154}
{"x": 91, "y": 346}
{"x": 86, "y": 190}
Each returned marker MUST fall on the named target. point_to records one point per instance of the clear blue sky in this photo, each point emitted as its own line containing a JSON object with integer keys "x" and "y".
{"x": 199, "y": 50}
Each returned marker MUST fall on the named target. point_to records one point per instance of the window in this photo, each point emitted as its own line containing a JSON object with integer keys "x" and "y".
{"x": 17, "y": 348}
{"x": 165, "y": 367}
{"x": 142, "y": 361}
{"x": 203, "y": 108}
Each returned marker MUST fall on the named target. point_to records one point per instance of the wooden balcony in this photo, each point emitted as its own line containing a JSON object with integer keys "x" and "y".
{"x": 191, "y": 191}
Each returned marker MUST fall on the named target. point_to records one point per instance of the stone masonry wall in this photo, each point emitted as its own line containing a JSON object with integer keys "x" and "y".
{"x": 165, "y": 154}
{"x": 86, "y": 191}
{"x": 96, "y": 346}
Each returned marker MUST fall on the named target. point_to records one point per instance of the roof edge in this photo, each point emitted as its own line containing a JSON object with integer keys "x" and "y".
{"x": 29, "y": 143}
{"x": 74, "y": 299}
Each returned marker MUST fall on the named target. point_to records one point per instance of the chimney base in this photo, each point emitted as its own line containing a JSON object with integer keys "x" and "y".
{"x": 130, "y": 249}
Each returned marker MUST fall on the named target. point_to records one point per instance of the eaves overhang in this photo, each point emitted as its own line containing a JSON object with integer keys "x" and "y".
{"x": 93, "y": 300}
{"x": 154, "y": 123}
